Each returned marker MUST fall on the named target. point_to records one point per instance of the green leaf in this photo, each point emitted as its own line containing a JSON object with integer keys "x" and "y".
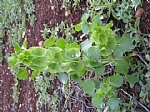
{"x": 55, "y": 50}
{"x": 85, "y": 28}
{"x": 147, "y": 74}
{"x": 111, "y": 43}
{"x": 94, "y": 53}
{"x": 122, "y": 67}
{"x": 104, "y": 51}
{"x": 34, "y": 73}
{"x": 49, "y": 42}
{"x": 63, "y": 77}
{"x": 116, "y": 80}
{"x": 85, "y": 17}
{"x": 132, "y": 79}
{"x": 12, "y": 61}
{"x": 97, "y": 101}
{"x": 53, "y": 67}
{"x": 24, "y": 46}
{"x": 65, "y": 67}
{"x": 61, "y": 43}
{"x": 72, "y": 45}
{"x": 113, "y": 103}
{"x": 85, "y": 45}
{"x": 36, "y": 67}
{"x": 77, "y": 66}
{"x": 22, "y": 74}
{"x": 125, "y": 43}
{"x": 40, "y": 61}
{"x": 100, "y": 70}
{"x": 38, "y": 51}
{"x": 78, "y": 27}
{"x": 105, "y": 87}
{"x": 89, "y": 87}
{"x": 16, "y": 47}
{"x": 72, "y": 53}
{"x": 103, "y": 39}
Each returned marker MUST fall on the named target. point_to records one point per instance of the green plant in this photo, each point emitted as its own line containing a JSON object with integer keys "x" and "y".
{"x": 42, "y": 84}
{"x": 59, "y": 56}
{"x": 59, "y": 31}
{"x": 13, "y": 17}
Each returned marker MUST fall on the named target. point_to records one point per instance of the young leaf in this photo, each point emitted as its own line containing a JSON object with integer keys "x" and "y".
{"x": 63, "y": 77}
{"x": 49, "y": 42}
{"x": 78, "y": 27}
{"x": 122, "y": 67}
{"x": 97, "y": 101}
{"x": 89, "y": 87}
{"x": 34, "y": 73}
{"x": 12, "y": 61}
{"x": 24, "y": 46}
{"x": 16, "y": 47}
{"x": 113, "y": 103}
{"x": 100, "y": 70}
{"x": 85, "y": 17}
{"x": 116, "y": 80}
{"x": 22, "y": 74}
{"x": 61, "y": 43}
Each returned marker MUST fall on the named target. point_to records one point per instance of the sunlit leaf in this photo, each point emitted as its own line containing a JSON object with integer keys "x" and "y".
{"x": 49, "y": 42}
{"x": 78, "y": 27}
{"x": 22, "y": 74}
{"x": 16, "y": 47}
{"x": 38, "y": 51}
{"x": 34, "y": 73}
{"x": 61, "y": 43}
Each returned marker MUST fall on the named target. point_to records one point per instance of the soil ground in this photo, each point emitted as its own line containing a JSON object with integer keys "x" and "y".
{"x": 50, "y": 13}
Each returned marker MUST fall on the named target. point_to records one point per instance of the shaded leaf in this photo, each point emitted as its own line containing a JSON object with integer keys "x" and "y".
{"x": 97, "y": 101}
{"x": 122, "y": 67}
{"x": 116, "y": 80}
{"x": 113, "y": 103}
{"x": 100, "y": 70}
{"x": 94, "y": 53}
{"x": 63, "y": 77}
{"x": 85, "y": 45}
{"x": 89, "y": 87}
{"x": 132, "y": 79}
